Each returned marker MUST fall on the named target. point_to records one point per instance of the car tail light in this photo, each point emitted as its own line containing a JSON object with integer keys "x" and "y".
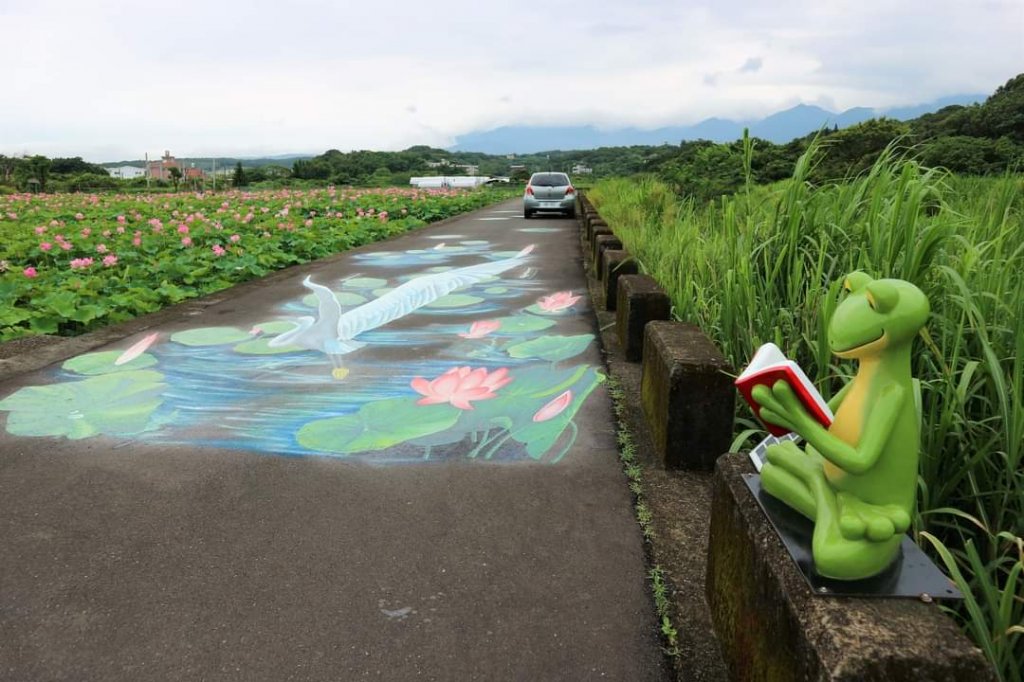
{"x": 570, "y": 191}
{"x": 529, "y": 190}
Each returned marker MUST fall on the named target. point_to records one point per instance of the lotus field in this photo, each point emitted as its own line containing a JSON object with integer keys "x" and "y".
{"x": 767, "y": 265}
{"x": 74, "y": 262}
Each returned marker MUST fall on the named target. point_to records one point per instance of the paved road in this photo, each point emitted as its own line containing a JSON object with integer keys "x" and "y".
{"x": 222, "y": 506}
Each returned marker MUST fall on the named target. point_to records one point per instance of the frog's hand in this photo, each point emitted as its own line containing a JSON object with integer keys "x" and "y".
{"x": 780, "y": 406}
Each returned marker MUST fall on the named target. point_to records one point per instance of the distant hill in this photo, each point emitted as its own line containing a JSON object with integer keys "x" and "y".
{"x": 779, "y": 128}
{"x": 206, "y": 162}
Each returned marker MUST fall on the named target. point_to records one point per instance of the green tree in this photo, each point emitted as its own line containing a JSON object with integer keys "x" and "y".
{"x": 238, "y": 179}
{"x": 175, "y": 174}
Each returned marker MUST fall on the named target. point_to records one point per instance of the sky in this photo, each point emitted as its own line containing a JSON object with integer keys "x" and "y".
{"x": 109, "y": 80}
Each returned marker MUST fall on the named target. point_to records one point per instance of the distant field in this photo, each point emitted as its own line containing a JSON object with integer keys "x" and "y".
{"x": 73, "y": 262}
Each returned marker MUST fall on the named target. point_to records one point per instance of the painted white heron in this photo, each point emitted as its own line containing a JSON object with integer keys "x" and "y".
{"x": 333, "y": 332}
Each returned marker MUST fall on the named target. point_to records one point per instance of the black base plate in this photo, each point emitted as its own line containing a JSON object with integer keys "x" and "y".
{"x": 911, "y": 575}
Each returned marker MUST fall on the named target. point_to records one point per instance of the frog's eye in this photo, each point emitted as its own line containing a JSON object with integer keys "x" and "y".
{"x": 856, "y": 281}
{"x": 882, "y": 296}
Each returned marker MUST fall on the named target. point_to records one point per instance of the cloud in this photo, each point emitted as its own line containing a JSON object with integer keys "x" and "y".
{"x": 752, "y": 65}
{"x": 268, "y": 77}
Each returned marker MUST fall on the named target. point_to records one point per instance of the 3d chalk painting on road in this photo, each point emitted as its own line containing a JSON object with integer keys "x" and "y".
{"x": 451, "y": 351}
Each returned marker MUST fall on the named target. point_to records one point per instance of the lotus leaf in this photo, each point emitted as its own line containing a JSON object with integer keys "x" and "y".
{"x": 551, "y": 348}
{"x": 116, "y": 404}
{"x": 103, "y": 363}
{"x": 377, "y": 426}
{"x": 210, "y": 336}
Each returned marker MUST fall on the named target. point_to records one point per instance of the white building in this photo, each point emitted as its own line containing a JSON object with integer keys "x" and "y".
{"x": 580, "y": 169}
{"x": 127, "y": 172}
{"x": 446, "y": 181}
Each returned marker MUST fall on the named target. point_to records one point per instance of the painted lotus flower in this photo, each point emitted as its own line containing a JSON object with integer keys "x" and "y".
{"x": 557, "y": 302}
{"x": 554, "y": 408}
{"x": 460, "y": 386}
{"x": 480, "y": 329}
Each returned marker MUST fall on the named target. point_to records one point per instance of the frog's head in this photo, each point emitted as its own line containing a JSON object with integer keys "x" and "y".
{"x": 875, "y": 315}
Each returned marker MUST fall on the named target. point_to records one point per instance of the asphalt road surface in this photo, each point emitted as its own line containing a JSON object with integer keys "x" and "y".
{"x": 218, "y": 507}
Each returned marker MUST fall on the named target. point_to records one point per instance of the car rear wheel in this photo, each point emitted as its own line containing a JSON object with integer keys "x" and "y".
{"x": 527, "y": 214}
{"x": 571, "y": 213}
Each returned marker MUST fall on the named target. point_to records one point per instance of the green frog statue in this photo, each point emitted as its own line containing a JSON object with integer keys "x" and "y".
{"x": 857, "y": 479}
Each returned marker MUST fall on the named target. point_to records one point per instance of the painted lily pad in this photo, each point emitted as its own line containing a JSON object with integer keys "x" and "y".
{"x": 474, "y": 242}
{"x": 551, "y": 348}
{"x": 537, "y": 310}
{"x": 103, "y": 363}
{"x": 210, "y": 336}
{"x": 275, "y": 327}
{"x": 364, "y": 283}
{"x": 262, "y": 347}
{"x": 522, "y": 324}
{"x": 345, "y": 298}
{"x": 440, "y": 268}
{"x": 120, "y": 404}
{"x": 540, "y": 437}
{"x": 455, "y": 301}
{"x": 377, "y": 426}
{"x": 496, "y": 290}
{"x": 380, "y": 292}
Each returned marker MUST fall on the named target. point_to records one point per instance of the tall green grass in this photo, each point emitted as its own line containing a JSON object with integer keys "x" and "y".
{"x": 766, "y": 265}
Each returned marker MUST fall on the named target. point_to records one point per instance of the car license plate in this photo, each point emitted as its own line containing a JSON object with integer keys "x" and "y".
{"x": 549, "y": 204}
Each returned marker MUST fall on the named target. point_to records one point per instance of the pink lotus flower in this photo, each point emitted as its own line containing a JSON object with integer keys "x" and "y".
{"x": 80, "y": 263}
{"x": 480, "y": 329}
{"x": 235, "y": 238}
{"x": 218, "y": 250}
{"x": 41, "y": 229}
{"x": 30, "y": 272}
{"x": 183, "y": 229}
{"x": 136, "y": 349}
{"x": 101, "y": 248}
{"x": 121, "y": 219}
{"x": 85, "y": 232}
{"x": 45, "y": 246}
{"x": 186, "y": 241}
{"x": 554, "y": 408}
{"x": 137, "y": 241}
{"x": 79, "y": 216}
{"x": 556, "y": 302}
{"x": 461, "y": 385}
{"x": 66, "y": 246}
{"x": 109, "y": 261}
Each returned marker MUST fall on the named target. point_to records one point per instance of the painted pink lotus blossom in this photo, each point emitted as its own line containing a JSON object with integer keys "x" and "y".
{"x": 480, "y": 329}
{"x": 109, "y": 261}
{"x": 557, "y": 302}
{"x": 136, "y": 350}
{"x": 460, "y": 386}
{"x": 554, "y": 408}
{"x": 30, "y": 272}
{"x": 45, "y": 246}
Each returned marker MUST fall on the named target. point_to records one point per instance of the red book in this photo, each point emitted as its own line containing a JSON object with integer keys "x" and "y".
{"x": 768, "y": 366}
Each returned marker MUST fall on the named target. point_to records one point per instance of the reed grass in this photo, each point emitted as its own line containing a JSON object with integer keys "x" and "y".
{"x": 765, "y": 265}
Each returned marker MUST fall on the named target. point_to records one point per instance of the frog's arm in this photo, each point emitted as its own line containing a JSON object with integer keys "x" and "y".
{"x": 781, "y": 406}
{"x": 837, "y": 399}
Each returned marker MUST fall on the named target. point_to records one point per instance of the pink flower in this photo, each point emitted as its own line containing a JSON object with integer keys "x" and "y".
{"x": 554, "y": 408}
{"x": 80, "y": 263}
{"x": 86, "y": 232}
{"x": 557, "y": 302}
{"x": 183, "y": 229}
{"x": 109, "y": 261}
{"x": 121, "y": 219}
{"x": 79, "y": 216}
{"x": 136, "y": 349}
{"x": 218, "y": 250}
{"x": 137, "y": 241}
{"x": 235, "y": 238}
{"x": 66, "y": 246}
{"x": 101, "y": 248}
{"x": 480, "y": 329}
{"x": 41, "y": 229}
{"x": 30, "y": 272}
{"x": 45, "y": 246}
{"x": 186, "y": 241}
{"x": 461, "y": 385}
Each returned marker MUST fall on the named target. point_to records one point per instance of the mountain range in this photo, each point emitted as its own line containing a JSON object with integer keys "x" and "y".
{"x": 780, "y": 127}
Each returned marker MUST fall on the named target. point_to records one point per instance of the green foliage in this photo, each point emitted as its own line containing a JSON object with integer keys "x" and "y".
{"x": 273, "y": 230}
{"x": 762, "y": 265}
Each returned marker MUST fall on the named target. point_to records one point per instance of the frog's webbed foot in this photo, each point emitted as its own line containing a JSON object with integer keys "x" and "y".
{"x": 787, "y": 474}
{"x": 862, "y": 520}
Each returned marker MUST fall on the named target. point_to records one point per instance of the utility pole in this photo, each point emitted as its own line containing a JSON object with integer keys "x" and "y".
{"x": 147, "y": 171}
{"x": 215, "y": 174}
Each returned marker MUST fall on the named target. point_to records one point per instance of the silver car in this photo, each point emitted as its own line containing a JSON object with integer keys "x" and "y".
{"x": 549, "y": 192}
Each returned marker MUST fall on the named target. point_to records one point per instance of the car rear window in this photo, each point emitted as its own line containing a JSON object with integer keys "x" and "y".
{"x": 549, "y": 180}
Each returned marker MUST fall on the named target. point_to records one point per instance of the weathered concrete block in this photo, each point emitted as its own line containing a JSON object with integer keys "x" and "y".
{"x": 596, "y": 226}
{"x": 687, "y": 395}
{"x": 772, "y": 627}
{"x": 601, "y": 243}
{"x": 639, "y": 300}
{"x": 614, "y": 264}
